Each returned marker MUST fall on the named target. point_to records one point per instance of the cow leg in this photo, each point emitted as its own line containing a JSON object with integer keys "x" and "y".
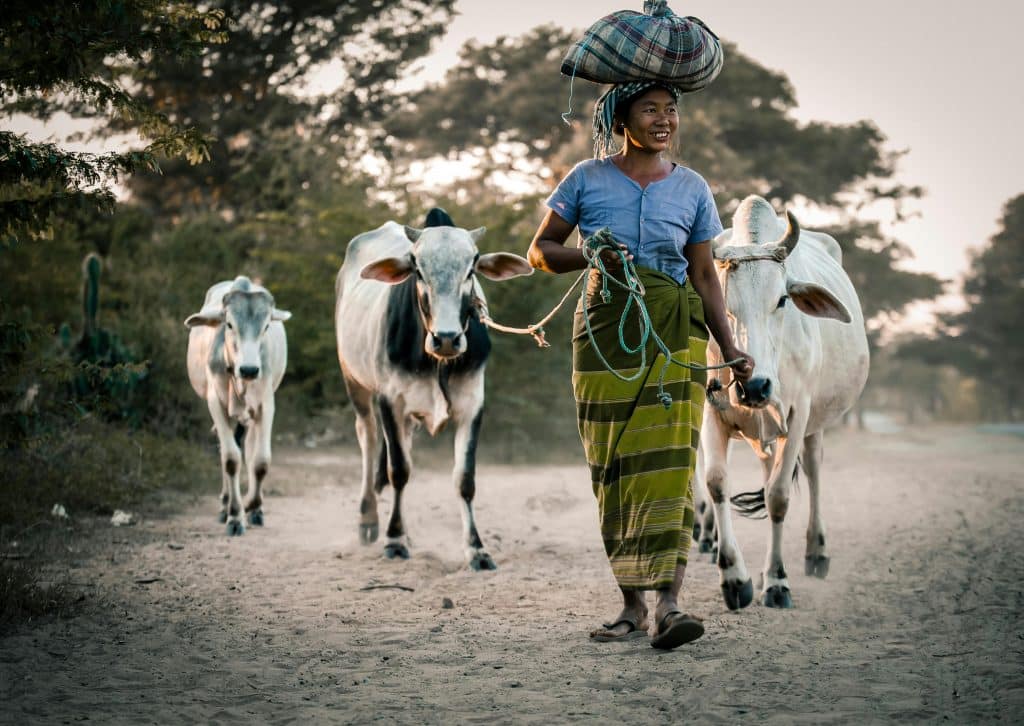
{"x": 466, "y": 438}
{"x": 225, "y": 480}
{"x": 257, "y": 459}
{"x": 394, "y": 427}
{"x": 816, "y": 559}
{"x": 704, "y": 532}
{"x": 381, "y": 478}
{"x": 366, "y": 433}
{"x": 230, "y": 464}
{"x": 737, "y": 589}
{"x": 775, "y": 591}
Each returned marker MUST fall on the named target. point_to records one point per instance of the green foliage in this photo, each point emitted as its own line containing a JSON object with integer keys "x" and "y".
{"x": 254, "y": 97}
{"x": 94, "y": 467}
{"x": 72, "y": 57}
{"x": 24, "y": 597}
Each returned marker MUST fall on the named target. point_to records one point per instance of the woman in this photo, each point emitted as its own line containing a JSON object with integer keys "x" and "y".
{"x": 642, "y": 453}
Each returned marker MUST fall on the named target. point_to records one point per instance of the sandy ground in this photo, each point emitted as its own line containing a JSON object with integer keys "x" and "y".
{"x": 920, "y": 619}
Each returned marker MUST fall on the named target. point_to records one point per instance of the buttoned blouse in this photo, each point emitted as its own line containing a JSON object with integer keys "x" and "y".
{"x": 654, "y": 222}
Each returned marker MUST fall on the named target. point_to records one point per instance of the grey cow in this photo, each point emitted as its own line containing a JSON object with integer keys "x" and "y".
{"x": 237, "y": 355}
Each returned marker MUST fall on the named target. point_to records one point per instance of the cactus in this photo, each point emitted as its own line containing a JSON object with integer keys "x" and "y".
{"x": 107, "y": 369}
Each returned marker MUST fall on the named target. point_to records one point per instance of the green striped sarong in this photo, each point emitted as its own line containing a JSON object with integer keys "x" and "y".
{"x": 641, "y": 455}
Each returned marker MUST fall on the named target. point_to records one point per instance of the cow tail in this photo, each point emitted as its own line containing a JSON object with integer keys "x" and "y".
{"x": 750, "y": 504}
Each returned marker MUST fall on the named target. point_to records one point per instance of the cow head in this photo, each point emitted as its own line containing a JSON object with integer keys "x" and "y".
{"x": 760, "y": 296}
{"x": 445, "y": 261}
{"x": 246, "y": 313}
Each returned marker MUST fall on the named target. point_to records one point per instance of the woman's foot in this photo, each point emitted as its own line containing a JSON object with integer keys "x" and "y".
{"x": 631, "y": 623}
{"x": 675, "y": 629}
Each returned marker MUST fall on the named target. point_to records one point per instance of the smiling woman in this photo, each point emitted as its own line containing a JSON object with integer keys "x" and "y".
{"x": 641, "y": 452}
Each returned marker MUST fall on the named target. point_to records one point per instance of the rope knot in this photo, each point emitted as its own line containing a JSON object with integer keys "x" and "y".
{"x": 657, "y": 8}
{"x": 666, "y": 399}
{"x": 538, "y": 335}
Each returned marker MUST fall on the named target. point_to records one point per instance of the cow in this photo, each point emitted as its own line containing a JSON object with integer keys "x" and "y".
{"x": 794, "y": 309}
{"x": 412, "y": 351}
{"x": 237, "y": 355}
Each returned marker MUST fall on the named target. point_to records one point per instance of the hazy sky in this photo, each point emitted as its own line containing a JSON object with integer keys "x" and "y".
{"x": 944, "y": 80}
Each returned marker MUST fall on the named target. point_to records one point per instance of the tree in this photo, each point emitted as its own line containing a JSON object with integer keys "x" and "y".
{"x": 257, "y": 95}
{"x": 984, "y": 340}
{"x": 73, "y": 57}
{"x": 503, "y": 102}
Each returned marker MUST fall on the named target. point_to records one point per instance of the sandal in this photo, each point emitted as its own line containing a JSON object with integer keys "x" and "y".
{"x": 604, "y": 636}
{"x": 681, "y": 629}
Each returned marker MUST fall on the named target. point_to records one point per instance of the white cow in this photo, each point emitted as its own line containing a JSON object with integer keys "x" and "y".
{"x": 412, "y": 350}
{"x": 237, "y": 354}
{"x": 795, "y": 311}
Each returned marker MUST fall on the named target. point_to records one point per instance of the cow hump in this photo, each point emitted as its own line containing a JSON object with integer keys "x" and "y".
{"x": 755, "y": 223}
{"x": 437, "y": 217}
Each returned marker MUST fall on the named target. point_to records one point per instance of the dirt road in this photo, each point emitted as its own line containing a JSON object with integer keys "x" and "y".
{"x": 920, "y": 619}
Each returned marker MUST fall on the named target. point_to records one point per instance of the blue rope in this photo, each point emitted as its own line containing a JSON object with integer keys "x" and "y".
{"x": 635, "y": 292}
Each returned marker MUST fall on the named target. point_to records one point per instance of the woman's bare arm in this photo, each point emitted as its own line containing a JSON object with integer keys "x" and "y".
{"x": 549, "y": 253}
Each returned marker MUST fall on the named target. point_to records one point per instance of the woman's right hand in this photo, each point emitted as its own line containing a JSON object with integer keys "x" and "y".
{"x": 743, "y": 368}
{"x": 612, "y": 260}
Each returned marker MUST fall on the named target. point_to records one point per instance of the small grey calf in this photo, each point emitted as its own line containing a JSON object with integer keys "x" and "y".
{"x": 237, "y": 355}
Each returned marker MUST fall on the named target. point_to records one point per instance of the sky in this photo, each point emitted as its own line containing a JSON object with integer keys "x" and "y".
{"x": 941, "y": 80}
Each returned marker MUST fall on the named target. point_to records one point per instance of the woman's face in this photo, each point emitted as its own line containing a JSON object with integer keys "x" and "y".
{"x": 652, "y": 121}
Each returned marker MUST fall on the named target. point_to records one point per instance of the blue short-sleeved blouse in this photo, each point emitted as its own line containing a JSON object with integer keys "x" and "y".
{"x": 653, "y": 222}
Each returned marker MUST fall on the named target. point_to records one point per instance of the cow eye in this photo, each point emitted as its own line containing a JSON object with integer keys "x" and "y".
{"x": 230, "y": 326}
{"x": 782, "y": 302}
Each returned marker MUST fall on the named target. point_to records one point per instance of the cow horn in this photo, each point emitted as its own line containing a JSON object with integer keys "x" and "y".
{"x": 792, "y": 236}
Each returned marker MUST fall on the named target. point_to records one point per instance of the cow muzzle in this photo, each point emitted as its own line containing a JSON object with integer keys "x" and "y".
{"x": 249, "y": 373}
{"x": 755, "y": 393}
{"x": 446, "y": 345}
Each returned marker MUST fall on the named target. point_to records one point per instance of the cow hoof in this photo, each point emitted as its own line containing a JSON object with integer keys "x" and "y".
{"x": 777, "y": 596}
{"x": 368, "y": 533}
{"x": 738, "y": 594}
{"x": 396, "y": 551}
{"x": 222, "y": 517}
{"x": 482, "y": 561}
{"x": 706, "y": 546}
{"x": 235, "y": 528}
{"x": 816, "y": 566}
{"x": 255, "y": 518}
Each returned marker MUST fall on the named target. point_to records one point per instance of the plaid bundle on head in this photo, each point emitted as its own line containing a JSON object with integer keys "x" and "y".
{"x": 655, "y": 45}
{"x": 604, "y": 111}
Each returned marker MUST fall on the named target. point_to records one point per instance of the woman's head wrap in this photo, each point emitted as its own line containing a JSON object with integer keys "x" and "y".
{"x": 604, "y": 111}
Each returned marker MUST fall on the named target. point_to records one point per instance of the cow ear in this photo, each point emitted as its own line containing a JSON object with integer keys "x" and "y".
{"x": 412, "y": 234}
{"x": 502, "y": 266}
{"x": 280, "y": 315}
{"x": 211, "y": 319}
{"x": 477, "y": 234}
{"x": 391, "y": 270}
{"x": 817, "y": 301}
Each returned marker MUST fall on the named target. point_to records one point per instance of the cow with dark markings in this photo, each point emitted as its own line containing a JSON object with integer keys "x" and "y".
{"x": 412, "y": 352}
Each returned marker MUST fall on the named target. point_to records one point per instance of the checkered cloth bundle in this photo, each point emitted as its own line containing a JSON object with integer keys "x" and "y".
{"x": 656, "y": 45}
